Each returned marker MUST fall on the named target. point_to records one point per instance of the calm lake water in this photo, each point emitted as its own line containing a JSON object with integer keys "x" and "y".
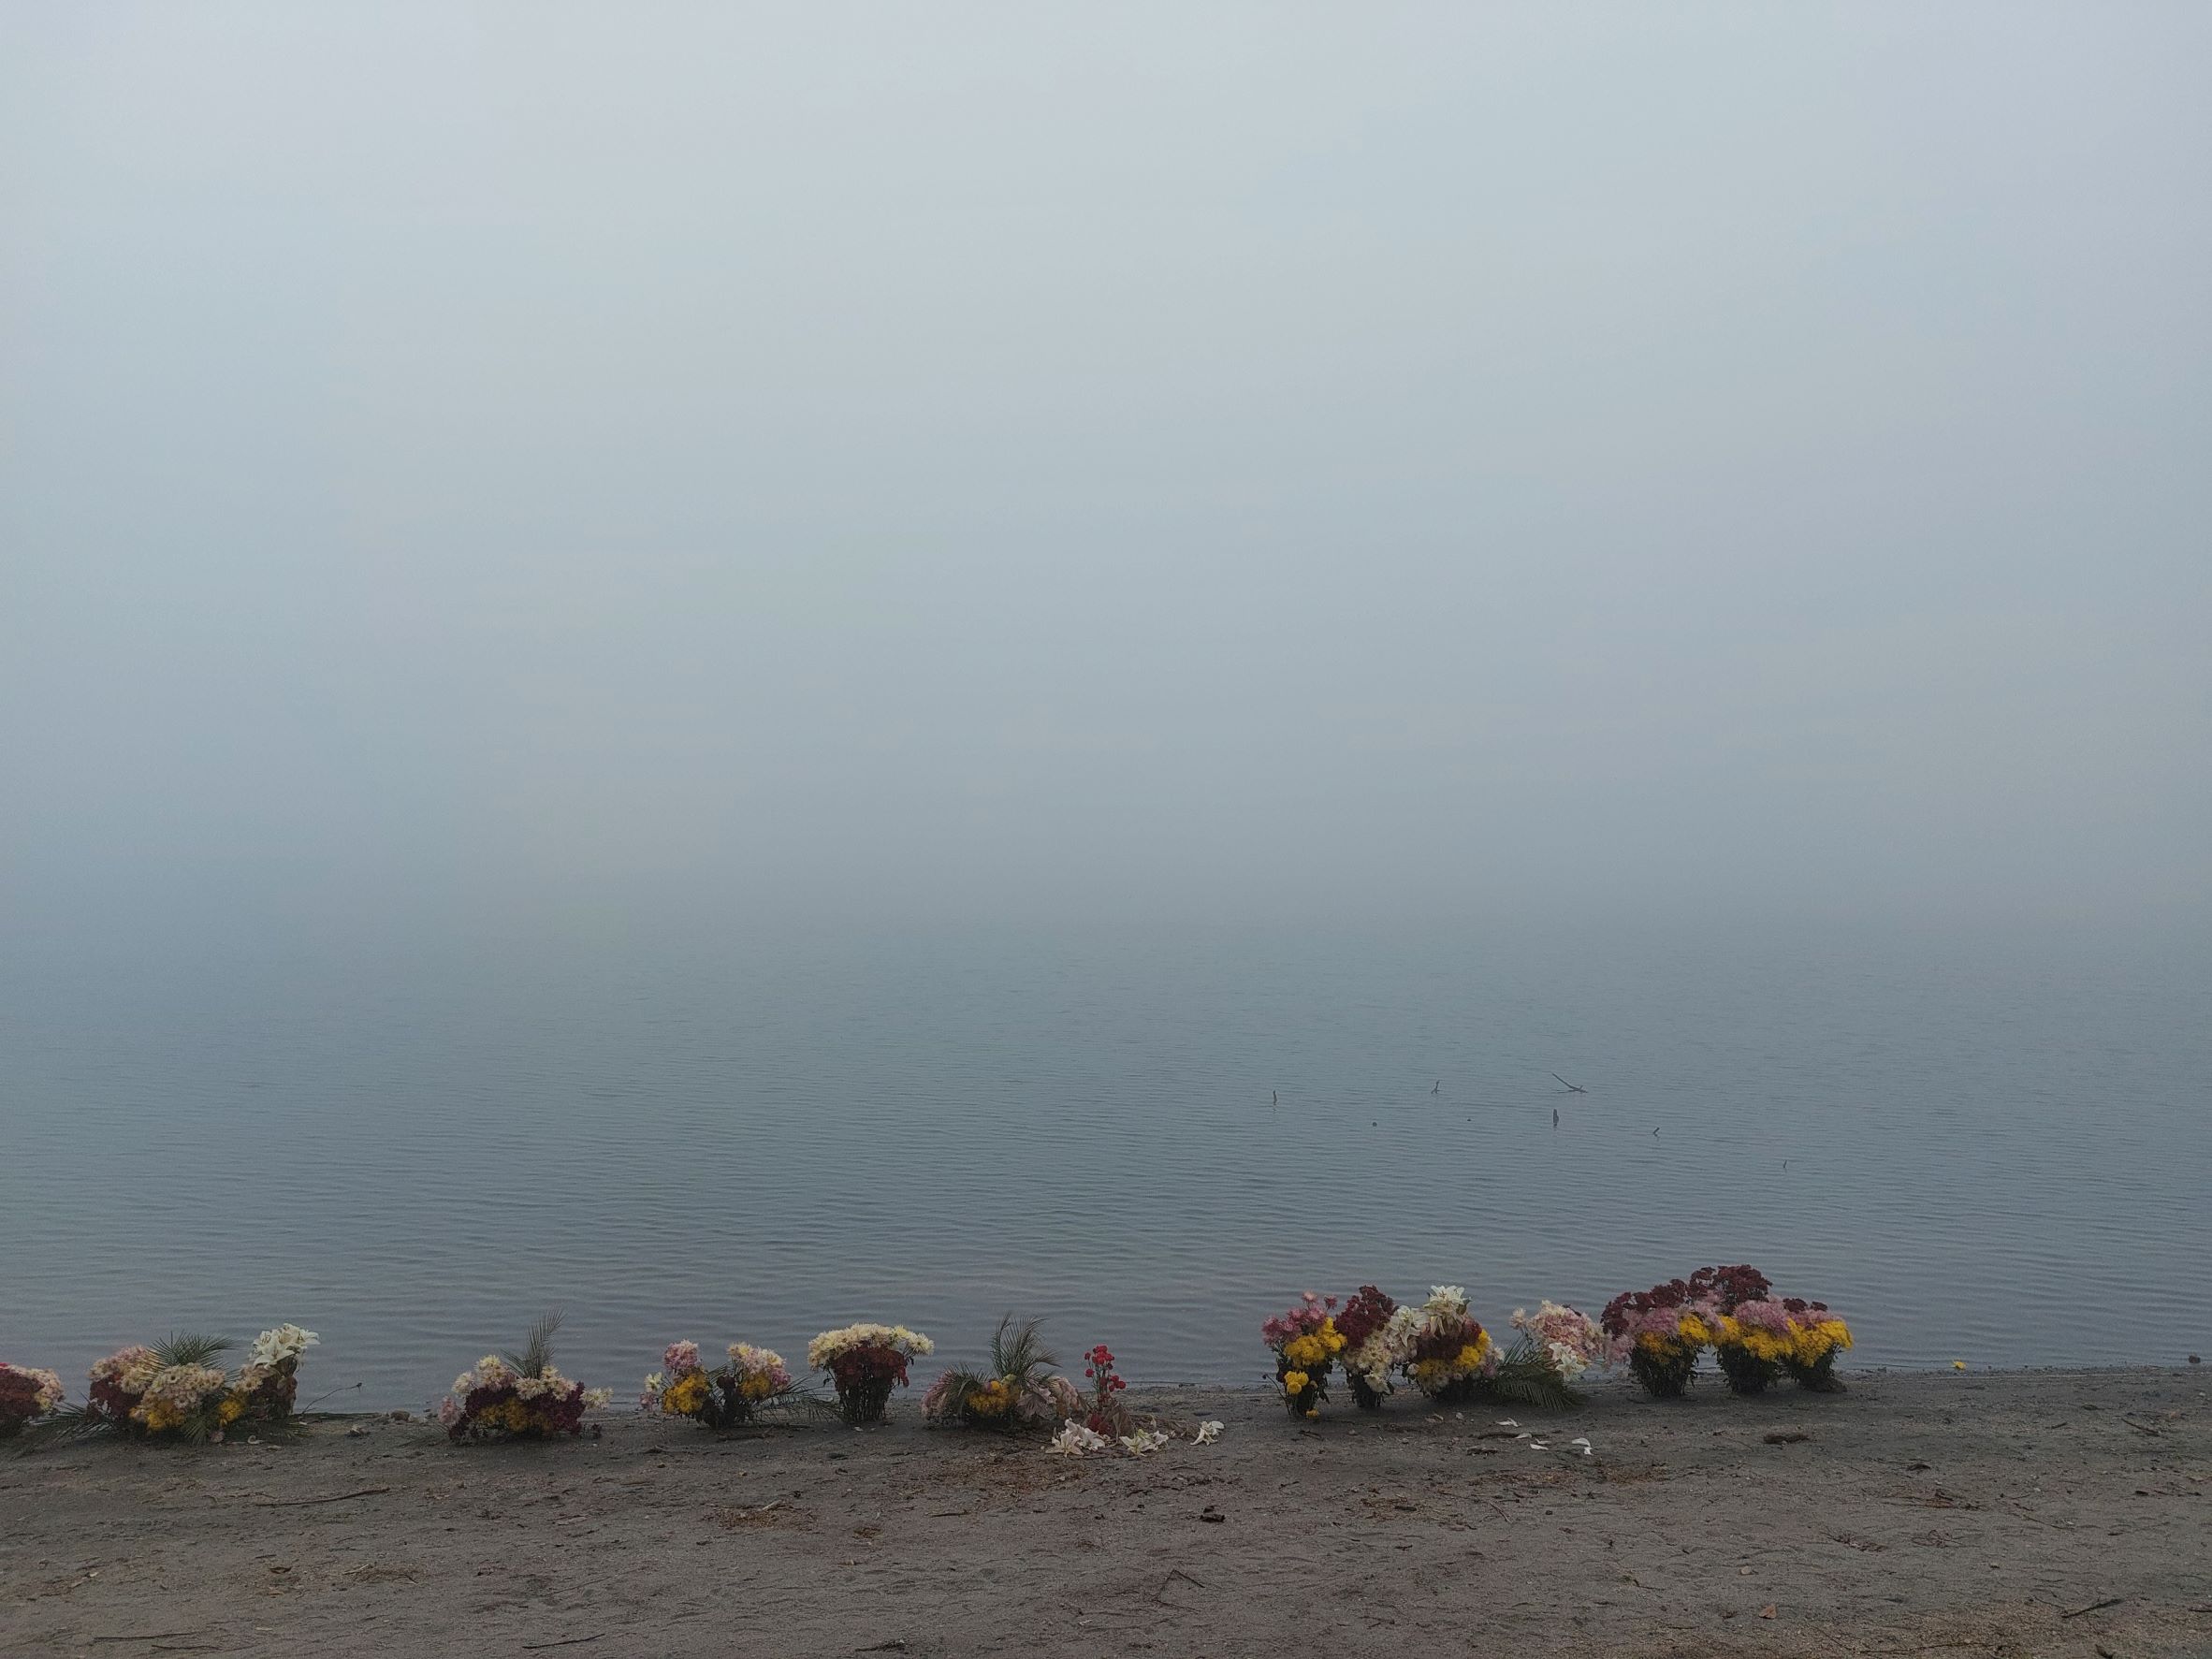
{"x": 1990, "y": 1146}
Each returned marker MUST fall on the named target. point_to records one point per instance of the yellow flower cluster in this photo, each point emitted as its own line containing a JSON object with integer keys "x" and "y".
{"x": 687, "y": 1394}
{"x": 513, "y": 1416}
{"x": 1306, "y": 1358}
{"x": 1430, "y": 1375}
{"x": 995, "y": 1398}
{"x": 755, "y": 1386}
{"x": 1690, "y": 1335}
{"x": 1316, "y": 1347}
{"x": 174, "y": 1394}
{"x": 1800, "y": 1344}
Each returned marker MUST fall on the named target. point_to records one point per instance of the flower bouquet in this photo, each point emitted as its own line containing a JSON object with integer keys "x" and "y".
{"x": 1109, "y": 1413}
{"x": 1740, "y": 1345}
{"x": 270, "y": 1378}
{"x": 867, "y": 1361}
{"x": 1660, "y": 1332}
{"x": 25, "y": 1396}
{"x": 720, "y": 1398}
{"x": 1553, "y": 1348}
{"x": 1018, "y": 1392}
{"x": 1447, "y": 1354}
{"x": 519, "y": 1396}
{"x": 171, "y": 1391}
{"x": 1768, "y": 1338}
{"x": 1370, "y": 1353}
{"x": 1306, "y": 1341}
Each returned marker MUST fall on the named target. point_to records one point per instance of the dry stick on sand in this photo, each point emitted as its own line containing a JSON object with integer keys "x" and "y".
{"x": 566, "y": 1641}
{"x": 336, "y": 1497}
{"x": 159, "y": 1636}
{"x": 2110, "y": 1601}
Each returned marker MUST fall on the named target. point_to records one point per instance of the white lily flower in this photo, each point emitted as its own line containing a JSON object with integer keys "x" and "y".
{"x": 1077, "y": 1440}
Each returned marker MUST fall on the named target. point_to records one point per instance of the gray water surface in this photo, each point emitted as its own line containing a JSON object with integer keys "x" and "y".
{"x": 1991, "y": 1146}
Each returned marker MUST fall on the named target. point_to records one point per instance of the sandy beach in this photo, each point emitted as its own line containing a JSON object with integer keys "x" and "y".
{"x": 2023, "y": 1513}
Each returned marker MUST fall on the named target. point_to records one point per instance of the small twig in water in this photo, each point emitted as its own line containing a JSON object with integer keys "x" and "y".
{"x": 1575, "y": 1087}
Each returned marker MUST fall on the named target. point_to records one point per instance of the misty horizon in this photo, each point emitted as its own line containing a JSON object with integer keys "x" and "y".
{"x": 468, "y": 467}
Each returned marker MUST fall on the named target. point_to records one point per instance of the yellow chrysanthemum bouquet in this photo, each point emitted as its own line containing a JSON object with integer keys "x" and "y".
{"x": 722, "y": 1398}
{"x": 1754, "y": 1337}
{"x": 1307, "y": 1343}
{"x": 1660, "y": 1332}
{"x": 1758, "y": 1341}
{"x": 1447, "y": 1353}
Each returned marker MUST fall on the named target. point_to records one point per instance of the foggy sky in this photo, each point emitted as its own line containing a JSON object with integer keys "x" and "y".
{"x": 1038, "y": 460}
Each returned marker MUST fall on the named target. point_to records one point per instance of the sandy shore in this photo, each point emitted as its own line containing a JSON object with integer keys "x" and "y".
{"x": 1916, "y": 1514}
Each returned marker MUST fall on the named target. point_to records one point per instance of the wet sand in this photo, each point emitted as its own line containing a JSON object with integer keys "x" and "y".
{"x": 1959, "y": 1515}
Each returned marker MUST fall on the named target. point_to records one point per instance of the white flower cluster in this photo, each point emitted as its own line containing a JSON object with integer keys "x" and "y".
{"x": 1077, "y": 1440}
{"x": 1374, "y": 1360}
{"x": 492, "y": 1372}
{"x": 487, "y": 1372}
{"x": 286, "y": 1342}
{"x": 1408, "y": 1325}
{"x": 830, "y": 1343}
{"x": 1570, "y": 1338}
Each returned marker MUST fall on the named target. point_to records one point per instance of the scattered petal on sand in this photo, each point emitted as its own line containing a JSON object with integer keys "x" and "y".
{"x": 1207, "y": 1433}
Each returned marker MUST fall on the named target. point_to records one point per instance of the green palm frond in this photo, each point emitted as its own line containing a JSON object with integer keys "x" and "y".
{"x": 1525, "y": 1377}
{"x": 63, "y": 1423}
{"x": 959, "y": 1382}
{"x": 188, "y": 1347}
{"x": 537, "y": 1353}
{"x": 1018, "y": 1352}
